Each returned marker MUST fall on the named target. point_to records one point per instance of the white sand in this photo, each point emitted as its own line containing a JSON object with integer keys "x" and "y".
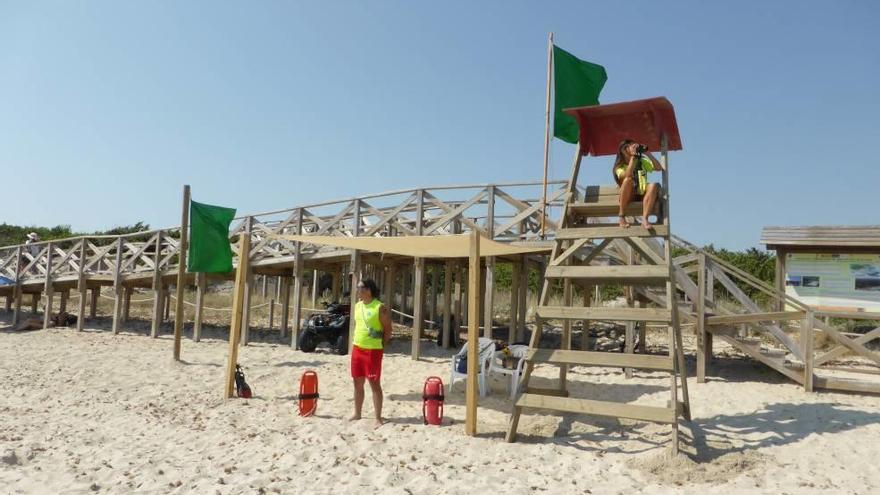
{"x": 93, "y": 412}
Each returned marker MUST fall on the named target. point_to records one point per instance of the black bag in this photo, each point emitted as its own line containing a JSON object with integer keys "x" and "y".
{"x": 241, "y": 387}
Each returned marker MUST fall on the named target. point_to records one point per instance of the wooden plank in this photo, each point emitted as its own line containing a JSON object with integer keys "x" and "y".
{"x": 611, "y": 232}
{"x": 473, "y": 335}
{"x": 489, "y": 297}
{"x": 621, "y": 274}
{"x": 284, "y": 299}
{"x": 179, "y": 314}
{"x": 755, "y": 353}
{"x": 704, "y": 352}
{"x": 298, "y": 268}
{"x": 846, "y": 384}
{"x": 605, "y": 314}
{"x": 646, "y": 249}
{"x": 755, "y": 317}
{"x": 598, "y": 408}
{"x": 591, "y": 358}
{"x": 238, "y": 292}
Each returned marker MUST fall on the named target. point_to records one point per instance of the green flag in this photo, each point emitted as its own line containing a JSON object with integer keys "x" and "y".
{"x": 577, "y": 84}
{"x": 209, "y": 249}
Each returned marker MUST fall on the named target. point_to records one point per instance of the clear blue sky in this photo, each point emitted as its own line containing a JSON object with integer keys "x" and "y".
{"x": 107, "y": 108}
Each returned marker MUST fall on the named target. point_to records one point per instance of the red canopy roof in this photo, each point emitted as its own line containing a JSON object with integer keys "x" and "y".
{"x": 603, "y": 127}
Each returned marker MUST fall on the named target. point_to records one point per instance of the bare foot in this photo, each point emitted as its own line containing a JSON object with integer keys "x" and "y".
{"x": 378, "y": 422}
{"x": 645, "y": 223}
{"x": 623, "y": 223}
{"x": 355, "y": 417}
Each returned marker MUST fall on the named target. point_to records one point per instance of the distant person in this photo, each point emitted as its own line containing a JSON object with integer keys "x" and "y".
{"x": 631, "y": 168}
{"x": 372, "y": 330}
{"x": 30, "y": 244}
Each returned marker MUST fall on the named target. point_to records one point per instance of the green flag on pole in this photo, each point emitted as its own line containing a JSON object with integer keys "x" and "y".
{"x": 577, "y": 84}
{"x": 209, "y": 249}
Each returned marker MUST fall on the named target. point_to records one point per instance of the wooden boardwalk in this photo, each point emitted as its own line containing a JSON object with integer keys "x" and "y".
{"x": 47, "y": 272}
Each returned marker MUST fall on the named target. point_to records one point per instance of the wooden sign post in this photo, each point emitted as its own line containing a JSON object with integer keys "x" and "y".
{"x": 244, "y": 250}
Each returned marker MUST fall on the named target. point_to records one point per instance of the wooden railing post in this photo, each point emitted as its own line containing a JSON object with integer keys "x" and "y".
{"x": 82, "y": 286}
{"x": 48, "y": 288}
{"x": 158, "y": 292}
{"x": 703, "y": 351}
{"x": 16, "y": 311}
{"x": 807, "y": 343}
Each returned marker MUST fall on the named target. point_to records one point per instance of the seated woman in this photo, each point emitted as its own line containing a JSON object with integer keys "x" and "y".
{"x": 631, "y": 170}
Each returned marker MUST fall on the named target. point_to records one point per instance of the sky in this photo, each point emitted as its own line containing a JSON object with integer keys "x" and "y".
{"x": 108, "y": 108}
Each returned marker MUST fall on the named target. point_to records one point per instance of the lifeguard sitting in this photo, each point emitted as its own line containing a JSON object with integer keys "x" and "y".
{"x": 631, "y": 168}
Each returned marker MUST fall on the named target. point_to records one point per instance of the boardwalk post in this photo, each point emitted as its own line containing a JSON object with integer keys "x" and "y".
{"x": 447, "y": 303}
{"x": 514, "y": 302}
{"x": 285, "y": 305}
{"x": 82, "y": 286}
{"x": 16, "y": 312}
{"x": 470, "y": 426}
{"x": 703, "y": 351}
{"x": 181, "y": 272}
{"x": 248, "y": 288}
{"x": 201, "y": 291}
{"x": 48, "y": 289}
{"x": 297, "y": 282}
{"x": 418, "y": 306}
{"x": 158, "y": 293}
{"x": 117, "y": 287}
{"x": 807, "y": 343}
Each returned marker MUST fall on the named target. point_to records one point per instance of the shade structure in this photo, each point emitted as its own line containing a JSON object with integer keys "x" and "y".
{"x": 603, "y": 127}
{"x": 439, "y": 246}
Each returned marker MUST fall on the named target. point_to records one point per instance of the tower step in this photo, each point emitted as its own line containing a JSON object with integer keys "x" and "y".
{"x": 605, "y": 207}
{"x": 606, "y": 314}
{"x": 597, "y": 408}
{"x": 589, "y": 358}
{"x": 608, "y": 232}
{"x": 622, "y": 274}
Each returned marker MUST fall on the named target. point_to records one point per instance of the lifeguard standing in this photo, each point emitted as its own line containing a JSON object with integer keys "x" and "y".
{"x": 372, "y": 331}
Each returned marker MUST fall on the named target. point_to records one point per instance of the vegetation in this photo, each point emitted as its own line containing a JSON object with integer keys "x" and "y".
{"x": 16, "y": 234}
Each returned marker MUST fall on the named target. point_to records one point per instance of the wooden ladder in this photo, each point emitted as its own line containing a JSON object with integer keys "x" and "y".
{"x": 569, "y": 264}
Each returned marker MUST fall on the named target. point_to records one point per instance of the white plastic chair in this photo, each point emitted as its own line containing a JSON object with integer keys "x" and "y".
{"x": 486, "y": 348}
{"x": 514, "y": 374}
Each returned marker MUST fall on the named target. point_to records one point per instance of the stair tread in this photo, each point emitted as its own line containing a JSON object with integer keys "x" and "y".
{"x": 592, "y": 358}
{"x": 611, "y": 314}
{"x": 604, "y": 232}
{"x": 624, "y": 274}
{"x": 598, "y": 408}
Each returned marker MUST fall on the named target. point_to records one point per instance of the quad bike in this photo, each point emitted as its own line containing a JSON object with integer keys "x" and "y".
{"x": 331, "y": 327}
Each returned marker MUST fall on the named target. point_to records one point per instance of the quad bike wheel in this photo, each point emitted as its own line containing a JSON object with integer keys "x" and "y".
{"x": 308, "y": 342}
{"x": 341, "y": 345}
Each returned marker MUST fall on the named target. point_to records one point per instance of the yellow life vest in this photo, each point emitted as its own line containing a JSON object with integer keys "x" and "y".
{"x": 368, "y": 332}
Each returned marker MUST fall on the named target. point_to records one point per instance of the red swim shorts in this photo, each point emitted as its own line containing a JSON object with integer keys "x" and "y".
{"x": 366, "y": 363}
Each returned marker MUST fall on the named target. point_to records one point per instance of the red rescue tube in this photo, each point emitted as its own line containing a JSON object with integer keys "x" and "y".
{"x": 308, "y": 393}
{"x": 432, "y": 401}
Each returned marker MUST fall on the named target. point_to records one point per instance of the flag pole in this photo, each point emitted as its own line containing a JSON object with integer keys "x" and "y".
{"x": 181, "y": 272}
{"x": 547, "y": 134}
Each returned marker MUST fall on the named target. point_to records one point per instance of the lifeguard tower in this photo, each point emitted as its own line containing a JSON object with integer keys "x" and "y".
{"x": 584, "y": 233}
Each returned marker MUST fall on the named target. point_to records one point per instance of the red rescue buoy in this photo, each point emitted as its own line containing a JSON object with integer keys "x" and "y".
{"x": 308, "y": 393}
{"x": 432, "y": 401}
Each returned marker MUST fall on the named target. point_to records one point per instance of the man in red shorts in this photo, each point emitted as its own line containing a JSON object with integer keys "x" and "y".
{"x": 372, "y": 330}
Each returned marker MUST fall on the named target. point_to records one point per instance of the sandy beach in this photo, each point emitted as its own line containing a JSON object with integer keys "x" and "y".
{"x": 92, "y": 412}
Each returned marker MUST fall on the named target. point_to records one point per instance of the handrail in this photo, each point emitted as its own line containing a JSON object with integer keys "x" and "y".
{"x": 275, "y": 212}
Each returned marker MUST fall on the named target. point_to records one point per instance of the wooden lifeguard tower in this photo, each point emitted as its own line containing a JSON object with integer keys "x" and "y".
{"x": 586, "y": 231}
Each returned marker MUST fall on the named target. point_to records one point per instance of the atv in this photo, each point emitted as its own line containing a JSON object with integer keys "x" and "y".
{"x": 331, "y": 327}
